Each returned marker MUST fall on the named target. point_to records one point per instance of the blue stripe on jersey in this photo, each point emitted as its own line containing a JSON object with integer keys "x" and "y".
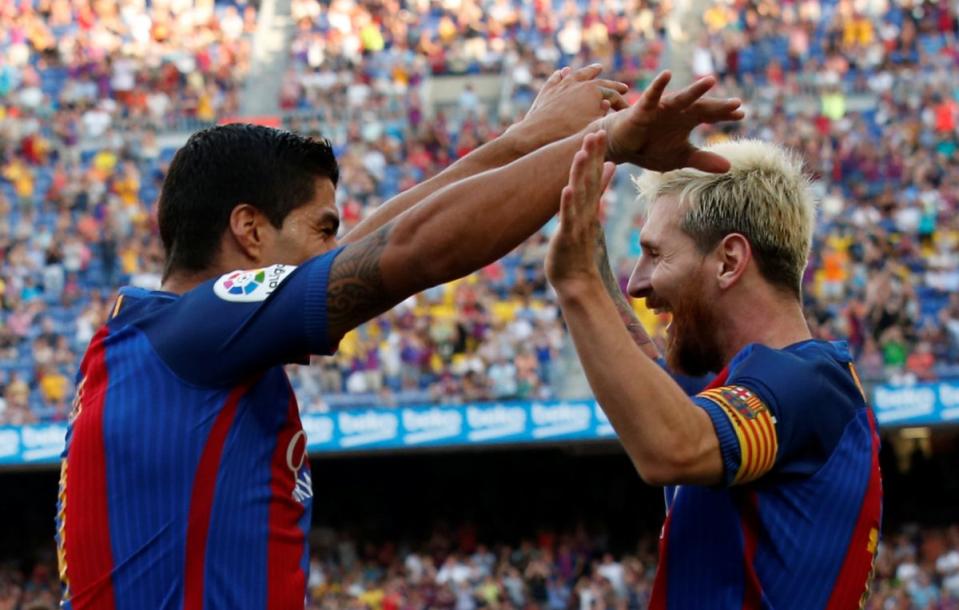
{"x": 694, "y": 564}
{"x": 150, "y": 480}
{"x": 799, "y": 564}
{"x": 240, "y": 551}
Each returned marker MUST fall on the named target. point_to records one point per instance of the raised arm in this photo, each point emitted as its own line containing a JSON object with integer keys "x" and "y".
{"x": 667, "y": 437}
{"x": 567, "y": 103}
{"x": 626, "y": 314}
{"x": 473, "y": 222}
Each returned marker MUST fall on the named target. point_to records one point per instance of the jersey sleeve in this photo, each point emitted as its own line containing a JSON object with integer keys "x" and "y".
{"x": 780, "y": 413}
{"x": 244, "y": 322}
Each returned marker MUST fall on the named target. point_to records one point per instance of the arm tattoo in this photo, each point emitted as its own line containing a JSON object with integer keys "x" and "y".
{"x": 626, "y": 313}
{"x": 355, "y": 292}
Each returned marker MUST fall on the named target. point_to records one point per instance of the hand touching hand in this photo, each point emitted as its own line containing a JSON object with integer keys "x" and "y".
{"x": 654, "y": 132}
{"x": 568, "y": 102}
{"x": 572, "y": 255}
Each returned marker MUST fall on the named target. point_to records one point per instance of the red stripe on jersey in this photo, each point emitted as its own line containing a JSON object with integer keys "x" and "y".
{"x": 719, "y": 381}
{"x": 286, "y": 582}
{"x": 201, "y": 502}
{"x": 852, "y": 583}
{"x": 88, "y": 556}
{"x": 749, "y": 521}
{"x": 657, "y": 600}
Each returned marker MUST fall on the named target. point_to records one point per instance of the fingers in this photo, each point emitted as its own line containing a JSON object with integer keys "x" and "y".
{"x": 615, "y": 85}
{"x": 615, "y": 100}
{"x": 566, "y": 212}
{"x": 587, "y": 176}
{"x": 554, "y": 78}
{"x": 591, "y": 177}
{"x": 609, "y": 170}
{"x": 686, "y": 97}
{"x": 715, "y": 110}
{"x": 707, "y": 161}
{"x": 589, "y": 72}
{"x": 654, "y": 92}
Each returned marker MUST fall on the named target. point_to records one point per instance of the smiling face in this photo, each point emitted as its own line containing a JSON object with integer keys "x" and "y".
{"x": 307, "y": 231}
{"x": 672, "y": 275}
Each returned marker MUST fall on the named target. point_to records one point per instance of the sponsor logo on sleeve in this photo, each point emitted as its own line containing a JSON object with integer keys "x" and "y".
{"x": 251, "y": 285}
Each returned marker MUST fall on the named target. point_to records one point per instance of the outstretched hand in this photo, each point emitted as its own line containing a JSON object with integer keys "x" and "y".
{"x": 568, "y": 102}
{"x": 654, "y": 132}
{"x": 573, "y": 248}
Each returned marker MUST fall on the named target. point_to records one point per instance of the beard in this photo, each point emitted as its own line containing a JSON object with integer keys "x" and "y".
{"x": 692, "y": 341}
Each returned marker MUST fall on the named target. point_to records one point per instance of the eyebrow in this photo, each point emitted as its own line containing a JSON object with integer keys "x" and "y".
{"x": 331, "y": 217}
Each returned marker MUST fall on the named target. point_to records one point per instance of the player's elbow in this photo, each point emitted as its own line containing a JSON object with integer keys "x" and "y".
{"x": 676, "y": 462}
{"x": 660, "y": 472}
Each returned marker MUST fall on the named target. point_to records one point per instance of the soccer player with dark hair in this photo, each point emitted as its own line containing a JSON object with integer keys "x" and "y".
{"x": 771, "y": 473}
{"x": 185, "y": 482}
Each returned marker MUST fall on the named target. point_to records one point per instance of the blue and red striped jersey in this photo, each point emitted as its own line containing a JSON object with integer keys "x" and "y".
{"x": 185, "y": 481}
{"x": 795, "y": 524}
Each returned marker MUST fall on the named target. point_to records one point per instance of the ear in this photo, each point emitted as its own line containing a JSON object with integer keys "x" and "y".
{"x": 734, "y": 253}
{"x": 247, "y": 230}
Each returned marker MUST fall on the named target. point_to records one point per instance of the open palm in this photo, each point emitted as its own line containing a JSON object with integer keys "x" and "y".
{"x": 654, "y": 132}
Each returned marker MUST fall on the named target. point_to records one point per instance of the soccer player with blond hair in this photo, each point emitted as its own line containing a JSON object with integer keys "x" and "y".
{"x": 185, "y": 482}
{"x": 771, "y": 473}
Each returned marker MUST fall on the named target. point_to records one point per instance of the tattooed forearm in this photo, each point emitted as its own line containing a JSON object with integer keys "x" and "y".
{"x": 355, "y": 292}
{"x": 626, "y": 313}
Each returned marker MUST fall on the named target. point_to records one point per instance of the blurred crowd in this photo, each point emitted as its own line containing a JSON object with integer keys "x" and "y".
{"x": 915, "y": 569}
{"x": 386, "y": 47}
{"x": 82, "y": 70}
{"x": 861, "y": 89}
{"x": 879, "y": 136}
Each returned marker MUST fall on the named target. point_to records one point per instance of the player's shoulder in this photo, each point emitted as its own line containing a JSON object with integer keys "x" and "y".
{"x": 809, "y": 377}
{"x": 134, "y": 303}
{"x": 803, "y": 367}
{"x": 233, "y": 292}
{"x": 246, "y": 285}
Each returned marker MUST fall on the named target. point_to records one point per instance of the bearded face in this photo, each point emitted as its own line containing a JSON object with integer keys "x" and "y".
{"x": 673, "y": 277}
{"x": 692, "y": 345}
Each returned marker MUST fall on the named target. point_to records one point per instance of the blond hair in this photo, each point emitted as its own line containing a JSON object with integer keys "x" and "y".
{"x": 765, "y": 196}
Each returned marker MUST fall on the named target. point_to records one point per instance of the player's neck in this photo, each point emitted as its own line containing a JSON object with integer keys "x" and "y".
{"x": 775, "y": 320}
{"x": 182, "y": 282}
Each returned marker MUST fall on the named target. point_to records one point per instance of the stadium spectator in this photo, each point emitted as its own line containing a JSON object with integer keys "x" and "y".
{"x": 890, "y": 143}
{"x": 562, "y": 572}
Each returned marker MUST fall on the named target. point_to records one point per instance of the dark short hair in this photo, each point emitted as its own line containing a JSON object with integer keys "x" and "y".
{"x": 221, "y": 167}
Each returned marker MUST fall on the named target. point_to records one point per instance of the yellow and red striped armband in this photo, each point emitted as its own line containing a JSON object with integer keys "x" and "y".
{"x": 755, "y": 427}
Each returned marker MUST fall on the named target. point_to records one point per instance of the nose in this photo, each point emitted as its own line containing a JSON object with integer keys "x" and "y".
{"x": 640, "y": 286}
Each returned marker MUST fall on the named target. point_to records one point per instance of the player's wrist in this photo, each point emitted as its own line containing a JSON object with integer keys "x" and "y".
{"x": 577, "y": 289}
{"x": 523, "y": 138}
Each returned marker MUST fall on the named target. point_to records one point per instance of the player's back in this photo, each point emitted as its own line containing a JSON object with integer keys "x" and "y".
{"x": 185, "y": 482}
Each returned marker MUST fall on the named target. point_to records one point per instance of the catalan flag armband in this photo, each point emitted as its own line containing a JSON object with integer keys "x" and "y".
{"x": 755, "y": 428}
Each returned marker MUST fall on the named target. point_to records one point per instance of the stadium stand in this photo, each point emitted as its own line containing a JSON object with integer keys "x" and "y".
{"x": 861, "y": 94}
{"x": 915, "y": 569}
